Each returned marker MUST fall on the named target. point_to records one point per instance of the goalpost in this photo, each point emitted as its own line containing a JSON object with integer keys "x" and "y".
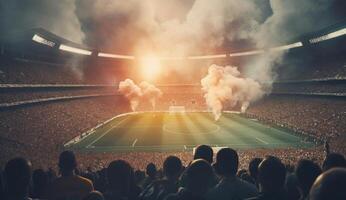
{"x": 176, "y": 109}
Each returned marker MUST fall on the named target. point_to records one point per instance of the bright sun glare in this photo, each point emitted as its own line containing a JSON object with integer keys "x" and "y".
{"x": 150, "y": 67}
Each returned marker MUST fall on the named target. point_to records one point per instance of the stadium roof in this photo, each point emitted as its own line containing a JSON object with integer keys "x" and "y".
{"x": 44, "y": 39}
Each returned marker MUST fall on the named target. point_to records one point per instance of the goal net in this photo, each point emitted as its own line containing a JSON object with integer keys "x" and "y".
{"x": 177, "y": 109}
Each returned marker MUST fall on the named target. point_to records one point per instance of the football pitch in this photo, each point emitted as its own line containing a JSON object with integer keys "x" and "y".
{"x": 163, "y": 131}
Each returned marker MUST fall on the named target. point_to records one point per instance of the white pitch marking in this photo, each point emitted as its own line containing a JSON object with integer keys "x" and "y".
{"x": 106, "y": 132}
{"x": 261, "y": 140}
{"x": 134, "y": 142}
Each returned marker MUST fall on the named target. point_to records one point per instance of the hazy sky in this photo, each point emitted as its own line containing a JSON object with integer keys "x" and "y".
{"x": 169, "y": 27}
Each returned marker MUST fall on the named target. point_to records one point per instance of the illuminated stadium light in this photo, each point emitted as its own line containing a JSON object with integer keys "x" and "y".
{"x": 171, "y": 58}
{"x": 207, "y": 57}
{"x": 42, "y": 40}
{"x": 247, "y": 53}
{"x": 285, "y": 47}
{"x": 74, "y": 50}
{"x": 334, "y": 34}
{"x": 108, "y": 55}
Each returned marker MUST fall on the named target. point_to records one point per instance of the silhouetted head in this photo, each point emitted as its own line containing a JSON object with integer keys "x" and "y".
{"x": 329, "y": 185}
{"x": 227, "y": 162}
{"x": 253, "y": 167}
{"x": 271, "y": 174}
{"x": 40, "y": 181}
{"x": 204, "y": 152}
{"x": 67, "y": 162}
{"x": 151, "y": 170}
{"x": 120, "y": 175}
{"x": 94, "y": 195}
{"x": 17, "y": 177}
{"x": 307, "y": 172}
{"x": 198, "y": 176}
{"x": 333, "y": 160}
{"x": 39, "y": 177}
{"x": 172, "y": 167}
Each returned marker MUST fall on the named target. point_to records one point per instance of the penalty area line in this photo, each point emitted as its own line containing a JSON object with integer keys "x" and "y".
{"x": 264, "y": 142}
{"x": 134, "y": 142}
{"x": 103, "y": 134}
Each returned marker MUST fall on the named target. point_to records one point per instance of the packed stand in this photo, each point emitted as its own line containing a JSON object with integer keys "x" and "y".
{"x": 39, "y": 132}
{"x": 319, "y": 117}
{"x": 11, "y": 96}
{"x": 325, "y": 87}
{"x": 202, "y": 178}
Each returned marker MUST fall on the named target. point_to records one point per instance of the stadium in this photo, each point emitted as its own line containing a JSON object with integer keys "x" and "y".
{"x": 137, "y": 92}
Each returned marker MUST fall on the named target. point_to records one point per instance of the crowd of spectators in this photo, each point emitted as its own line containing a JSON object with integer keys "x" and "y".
{"x": 317, "y": 68}
{"x": 321, "y": 117}
{"x": 16, "y": 71}
{"x": 10, "y": 96}
{"x": 201, "y": 178}
{"x": 39, "y": 131}
{"x": 330, "y": 87}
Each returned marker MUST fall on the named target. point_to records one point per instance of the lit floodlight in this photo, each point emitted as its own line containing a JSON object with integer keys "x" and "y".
{"x": 171, "y": 58}
{"x": 108, "y": 55}
{"x": 285, "y": 47}
{"x": 74, "y": 50}
{"x": 334, "y": 34}
{"x": 247, "y": 53}
{"x": 42, "y": 40}
{"x": 150, "y": 67}
{"x": 207, "y": 57}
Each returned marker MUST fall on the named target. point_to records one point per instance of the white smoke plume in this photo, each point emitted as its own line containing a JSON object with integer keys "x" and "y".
{"x": 224, "y": 85}
{"x": 150, "y": 92}
{"x": 131, "y": 91}
{"x": 135, "y": 94}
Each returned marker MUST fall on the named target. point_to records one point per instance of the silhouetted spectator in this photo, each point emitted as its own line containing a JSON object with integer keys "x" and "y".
{"x": 40, "y": 182}
{"x": 151, "y": 172}
{"x": 2, "y": 192}
{"x": 271, "y": 178}
{"x": 333, "y": 160}
{"x": 292, "y": 186}
{"x": 204, "y": 152}
{"x": 68, "y": 185}
{"x": 230, "y": 186}
{"x": 198, "y": 180}
{"x": 17, "y": 177}
{"x": 94, "y": 195}
{"x": 51, "y": 175}
{"x": 159, "y": 189}
{"x": 121, "y": 182}
{"x": 139, "y": 177}
{"x": 306, "y": 172}
{"x": 330, "y": 185}
{"x": 253, "y": 169}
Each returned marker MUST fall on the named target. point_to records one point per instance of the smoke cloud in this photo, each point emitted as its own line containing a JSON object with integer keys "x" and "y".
{"x": 135, "y": 94}
{"x": 131, "y": 91}
{"x": 177, "y": 27}
{"x": 150, "y": 92}
{"x": 224, "y": 85}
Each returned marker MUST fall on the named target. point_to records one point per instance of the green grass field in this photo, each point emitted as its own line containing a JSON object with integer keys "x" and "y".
{"x": 182, "y": 132}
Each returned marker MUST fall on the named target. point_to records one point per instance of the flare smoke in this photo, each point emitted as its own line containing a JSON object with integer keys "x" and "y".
{"x": 225, "y": 85}
{"x": 135, "y": 94}
{"x": 150, "y": 92}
